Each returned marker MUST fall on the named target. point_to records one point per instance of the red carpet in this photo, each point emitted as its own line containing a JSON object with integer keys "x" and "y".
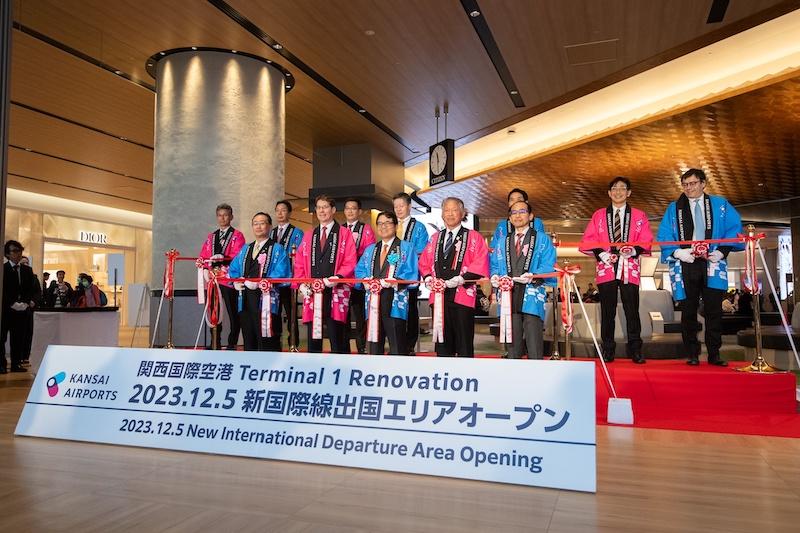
{"x": 669, "y": 394}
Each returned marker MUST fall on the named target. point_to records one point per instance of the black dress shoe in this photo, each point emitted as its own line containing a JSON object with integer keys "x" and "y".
{"x": 18, "y": 368}
{"x": 639, "y": 360}
{"x": 694, "y": 361}
{"x": 608, "y": 358}
{"x": 718, "y": 362}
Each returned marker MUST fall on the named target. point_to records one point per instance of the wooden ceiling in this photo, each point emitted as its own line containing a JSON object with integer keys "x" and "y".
{"x": 80, "y": 131}
{"x": 749, "y": 146}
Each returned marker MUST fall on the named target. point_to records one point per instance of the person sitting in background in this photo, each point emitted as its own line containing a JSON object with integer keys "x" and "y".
{"x": 59, "y": 293}
{"x": 88, "y": 294}
{"x": 729, "y": 304}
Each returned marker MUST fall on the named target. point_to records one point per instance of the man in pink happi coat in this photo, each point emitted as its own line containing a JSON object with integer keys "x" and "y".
{"x": 327, "y": 253}
{"x": 618, "y": 266}
{"x": 456, "y": 255}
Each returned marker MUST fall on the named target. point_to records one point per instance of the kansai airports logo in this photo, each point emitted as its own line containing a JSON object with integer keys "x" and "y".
{"x": 52, "y": 383}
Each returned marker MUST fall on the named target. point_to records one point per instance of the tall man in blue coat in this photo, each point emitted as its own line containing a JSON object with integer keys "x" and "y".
{"x": 523, "y": 253}
{"x": 288, "y": 236}
{"x": 411, "y": 230}
{"x": 262, "y": 258}
{"x": 695, "y": 271}
{"x": 389, "y": 259}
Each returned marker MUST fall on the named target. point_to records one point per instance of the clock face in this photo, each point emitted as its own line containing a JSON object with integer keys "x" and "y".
{"x": 438, "y": 160}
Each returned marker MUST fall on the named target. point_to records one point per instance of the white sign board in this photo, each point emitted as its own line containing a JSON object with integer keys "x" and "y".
{"x": 510, "y": 421}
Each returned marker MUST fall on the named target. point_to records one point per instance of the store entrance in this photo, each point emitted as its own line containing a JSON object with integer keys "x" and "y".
{"x": 106, "y": 265}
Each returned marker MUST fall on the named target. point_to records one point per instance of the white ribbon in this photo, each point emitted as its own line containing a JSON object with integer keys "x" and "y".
{"x": 201, "y": 285}
{"x": 506, "y": 286}
{"x": 317, "y": 286}
{"x": 373, "y": 319}
{"x": 437, "y": 287}
{"x": 266, "y": 308}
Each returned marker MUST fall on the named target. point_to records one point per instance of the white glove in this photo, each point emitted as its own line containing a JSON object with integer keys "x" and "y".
{"x": 524, "y": 279}
{"x": 305, "y": 290}
{"x": 454, "y": 282}
{"x": 386, "y": 284}
{"x": 252, "y": 285}
{"x": 19, "y": 306}
{"x": 217, "y": 257}
{"x": 495, "y": 281}
{"x": 427, "y": 282}
{"x": 330, "y": 282}
{"x": 716, "y": 256}
{"x": 628, "y": 252}
{"x": 684, "y": 255}
{"x": 605, "y": 257}
{"x": 238, "y": 285}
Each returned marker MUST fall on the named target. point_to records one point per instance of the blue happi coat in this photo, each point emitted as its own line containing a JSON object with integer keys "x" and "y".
{"x": 725, "y": 223}
{"x": 278, "y": 267}
{"x": 501, "y": 231}
{"x": 418, "y": 237}
{"x": 542, "y": 261}
{"x": 406, "y": 269}
{"x": 293, "y": 238}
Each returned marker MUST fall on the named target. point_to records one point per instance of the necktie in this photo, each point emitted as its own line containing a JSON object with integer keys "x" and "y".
{"x": 384, "y": 253}
{"x": 19, "y": 277}
{"x": 617, "y": 227}
{"x": 280, "y": 234}
{"x": 401, "y": 229}
{"x": 324, "y": 238}
{"x": 448, "y": 244}
{"x": 699, "y": 222}
{"x": 519, "y": 243}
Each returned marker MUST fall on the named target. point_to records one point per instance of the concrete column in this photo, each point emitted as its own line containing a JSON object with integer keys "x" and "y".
{"x": 219, "y": 137}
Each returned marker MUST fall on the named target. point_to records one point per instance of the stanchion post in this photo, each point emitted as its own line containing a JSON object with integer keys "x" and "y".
{"x": 759, "y": 364}
{"x": 293, "y": 342}
{"x": 555, "y": 356}
{"x": 567, "y": 334}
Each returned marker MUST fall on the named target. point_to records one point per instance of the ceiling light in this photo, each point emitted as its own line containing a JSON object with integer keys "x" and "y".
{"x": 288, "y": 86}
{"x": 362, "y": 110}
{"x": 149, "y": 64}
{"x": 475, "y": 13}
{"x": 760, "y": 184}
{"x": 276, "y": 46}
{"x": 563, "y": 183}
{"x": 288, "y": 73}
{"x": 369, "y": 33}
{"x": 117, "y": 72}
{"x": 514, "y": 91}
{"x": 194, "y": 48}
{"x": 234, "y": 51}
{"x": 269, "y": 61}
{"x": 28, "y": 150}
{"x": 163, "y": 53}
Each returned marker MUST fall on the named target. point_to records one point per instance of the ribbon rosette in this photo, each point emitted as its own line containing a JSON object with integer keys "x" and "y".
{"x": 564, "y": 284}
{"x": 505, "y": 285}
{"x": 317, "y": 286}
{"x": 700, "y": 249}
{"x": 437, "y": 287}
{"x": 624, "y": 266}
{"x": 373, "y": 319}
{"x": 266, "y": 307}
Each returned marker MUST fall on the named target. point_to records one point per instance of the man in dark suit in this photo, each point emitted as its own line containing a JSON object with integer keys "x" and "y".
{"x": 19, "y": 296}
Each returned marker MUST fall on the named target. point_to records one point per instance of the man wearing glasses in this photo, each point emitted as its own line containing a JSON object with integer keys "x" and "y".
{"x": 389, "y": 259}
{"x": 20, "y": 293}
{"x": 617, "y": 267}
{"x": 699, "y": 269}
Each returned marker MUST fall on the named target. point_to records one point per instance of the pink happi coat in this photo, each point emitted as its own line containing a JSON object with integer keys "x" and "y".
{"x": 343, "y": 266}
{"x": 476, "y": 261}
{"x": 232, "y": 248}
{"x": 597, "y": 231}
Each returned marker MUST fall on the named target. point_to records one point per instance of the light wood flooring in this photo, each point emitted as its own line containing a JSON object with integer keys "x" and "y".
{"x": 648, "y": 480}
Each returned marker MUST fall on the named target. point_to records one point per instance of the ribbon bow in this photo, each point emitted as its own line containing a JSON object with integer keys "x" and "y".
{"x": 169, "y": 273}
{"x": 566, "y": 273}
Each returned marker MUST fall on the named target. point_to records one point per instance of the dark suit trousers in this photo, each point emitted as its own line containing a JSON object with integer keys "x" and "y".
{"x": 528, "y": 331}
{"x": 16, "y": 324}
{"x": 412, "y": 324}
{"x": 391, "y": 329}
{"x": 608, "y": 312}
{"x": 285, "y": 294}
{"x": 334, "y": 330}
{"x": 357, "y": 315}
{"x": 251, "y": 325}
{"x": 459, "y": 329}
{"x": 230, "y": 297}
{"x": 694, "y": 279}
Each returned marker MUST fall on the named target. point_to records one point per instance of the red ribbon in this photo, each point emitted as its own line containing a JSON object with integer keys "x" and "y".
{"x": 212, "y": 297}
{"x": 567, "y": 317}
{"x": 169, "y": 273}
